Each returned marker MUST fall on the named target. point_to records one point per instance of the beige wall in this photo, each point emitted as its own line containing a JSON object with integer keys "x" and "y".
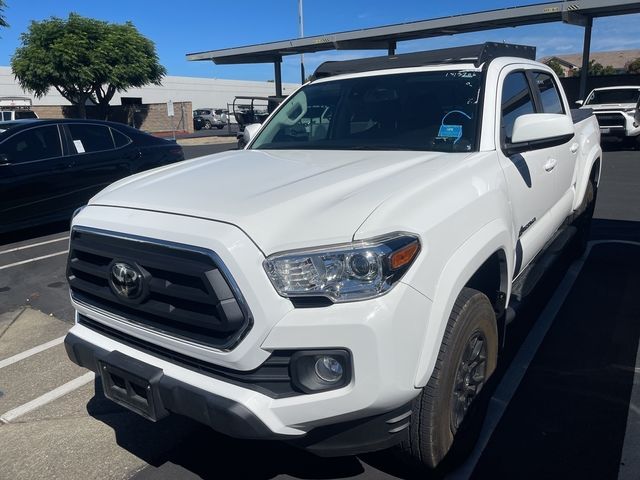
{"x": 150, "y": 117}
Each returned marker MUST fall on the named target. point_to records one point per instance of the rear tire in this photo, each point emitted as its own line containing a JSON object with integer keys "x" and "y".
{"x": 448, "y": 405}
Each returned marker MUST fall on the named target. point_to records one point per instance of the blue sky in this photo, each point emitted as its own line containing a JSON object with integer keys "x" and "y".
{"x": 180, "y": 27}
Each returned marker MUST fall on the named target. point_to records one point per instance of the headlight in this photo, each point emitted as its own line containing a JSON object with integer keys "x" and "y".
{"x": 343, "y": 273}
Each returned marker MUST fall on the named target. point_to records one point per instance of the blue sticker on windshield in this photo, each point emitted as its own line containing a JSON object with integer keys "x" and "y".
{"x": 450, "y": 131}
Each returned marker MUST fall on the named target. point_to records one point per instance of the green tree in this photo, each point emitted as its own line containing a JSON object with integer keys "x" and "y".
{"x": 85, "y": 59}
{"x": 555, "y": 66}
{"x": 596, "y": 69}
{"x": 634, "y": 66}
{"x": 3, "y": 22}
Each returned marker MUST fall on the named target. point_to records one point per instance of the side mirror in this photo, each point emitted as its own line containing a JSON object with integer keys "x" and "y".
{"x": 250, "y": 132}
{"x": 540, "y": 130}
{"x": 579, "y": 102}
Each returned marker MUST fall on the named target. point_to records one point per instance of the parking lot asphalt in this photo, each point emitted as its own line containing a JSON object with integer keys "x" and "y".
{"x": 564, "y": 401}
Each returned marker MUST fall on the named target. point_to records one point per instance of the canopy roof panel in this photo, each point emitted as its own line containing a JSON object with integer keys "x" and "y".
{"x": 388, "y": 36}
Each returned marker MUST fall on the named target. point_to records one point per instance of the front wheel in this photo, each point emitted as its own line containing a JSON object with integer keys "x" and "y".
{"x": 448, "y": 404}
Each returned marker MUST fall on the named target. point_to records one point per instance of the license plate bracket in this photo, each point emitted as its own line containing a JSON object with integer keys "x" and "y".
{"x": 132, "y": 384}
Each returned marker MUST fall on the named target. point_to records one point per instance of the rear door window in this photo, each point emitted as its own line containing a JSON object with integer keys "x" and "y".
{"x": 33, "y": 144}
{"x": 549, "y": 95}
{"x": 90, "y": 138}
{"x": 516, "y": 101}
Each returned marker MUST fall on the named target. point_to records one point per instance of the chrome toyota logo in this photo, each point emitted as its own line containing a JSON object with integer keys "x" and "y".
{"x": 126, "y": 280}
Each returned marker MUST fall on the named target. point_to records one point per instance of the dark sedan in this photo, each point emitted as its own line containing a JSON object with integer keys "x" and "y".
{"x": 48, "y": 168}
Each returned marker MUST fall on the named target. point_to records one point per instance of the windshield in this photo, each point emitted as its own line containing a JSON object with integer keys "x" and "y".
{"x": 436, "y": 111}
{"x": 25, "y": 114}
{"x": 622, "y": 95}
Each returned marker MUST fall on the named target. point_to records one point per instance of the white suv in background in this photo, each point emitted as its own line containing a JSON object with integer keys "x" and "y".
{"x": 618, "y": 112}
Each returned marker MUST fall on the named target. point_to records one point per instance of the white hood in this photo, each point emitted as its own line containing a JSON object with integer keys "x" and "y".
{"x": 610, "y": 106}
{"x": 281, "y": 199}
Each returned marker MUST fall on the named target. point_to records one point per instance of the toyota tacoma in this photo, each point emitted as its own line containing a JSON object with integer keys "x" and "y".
{"x": 344, "y": 282}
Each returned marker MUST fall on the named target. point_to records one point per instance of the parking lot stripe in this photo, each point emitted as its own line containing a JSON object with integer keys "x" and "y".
{"x": 24, "y": 247}
{"x": 47, "y": 397}
{"x": 33, "y": 259}
{"x": 32, "y": 351}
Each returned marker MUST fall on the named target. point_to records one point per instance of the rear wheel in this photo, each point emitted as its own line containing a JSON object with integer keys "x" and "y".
{"x": 219, "y": 127}
{"x": 450, "y": 405}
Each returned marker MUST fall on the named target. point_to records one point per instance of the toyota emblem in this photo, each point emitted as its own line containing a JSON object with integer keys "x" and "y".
{"x": 125, "y": 280}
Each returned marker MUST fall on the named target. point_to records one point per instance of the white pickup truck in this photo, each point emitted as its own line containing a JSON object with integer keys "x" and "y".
{"x": 343, "y": 283}
{"x": 618, "y": 112}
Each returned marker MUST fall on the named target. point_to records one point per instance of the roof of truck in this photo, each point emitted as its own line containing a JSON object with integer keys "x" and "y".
{"x": 476, "y": 55}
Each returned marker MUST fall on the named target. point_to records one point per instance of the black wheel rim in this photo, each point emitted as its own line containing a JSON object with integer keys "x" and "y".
{"x": 470, "y": 378}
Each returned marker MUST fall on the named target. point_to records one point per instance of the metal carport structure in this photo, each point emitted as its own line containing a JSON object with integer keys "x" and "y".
{"x": 577, "y": 12}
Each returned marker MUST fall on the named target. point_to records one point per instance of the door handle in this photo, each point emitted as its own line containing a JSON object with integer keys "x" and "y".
{"x": 574, "y": 148}
{"x": 550, "y": 165}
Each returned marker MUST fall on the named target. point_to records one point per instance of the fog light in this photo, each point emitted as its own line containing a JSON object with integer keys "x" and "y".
{"x": 329, "y": 369}
{"x": 320, "y": 370}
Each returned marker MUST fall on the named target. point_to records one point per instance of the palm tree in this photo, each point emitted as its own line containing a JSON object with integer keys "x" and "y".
{"x": 3, "y": 22}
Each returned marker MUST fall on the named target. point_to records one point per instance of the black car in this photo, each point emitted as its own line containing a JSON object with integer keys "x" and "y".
{"x": 48, "y": 168}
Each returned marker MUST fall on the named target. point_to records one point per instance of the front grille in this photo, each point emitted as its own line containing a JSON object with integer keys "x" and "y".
{"x": 610, "y": 120}
{"x": 272, "y": 378}
{"x": 188, "y": 293}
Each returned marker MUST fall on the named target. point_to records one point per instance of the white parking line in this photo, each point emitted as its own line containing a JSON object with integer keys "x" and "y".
{"x": 24, "y": 247}
{"x": 64, "y": 252}
{"x": 32, "y": 351}
{"x": 47, "y": 397}
{"x": 518, "y": 368}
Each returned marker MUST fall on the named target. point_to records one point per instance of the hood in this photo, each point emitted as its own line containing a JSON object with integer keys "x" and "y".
{"x": 281, "y": 199}
{"x": 610, "y": 106}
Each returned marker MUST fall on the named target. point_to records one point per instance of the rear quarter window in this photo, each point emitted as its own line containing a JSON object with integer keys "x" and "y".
{"x": 120, "y": 138}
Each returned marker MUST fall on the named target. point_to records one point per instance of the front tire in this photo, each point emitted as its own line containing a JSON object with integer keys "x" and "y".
{"x": 447, "y": 404}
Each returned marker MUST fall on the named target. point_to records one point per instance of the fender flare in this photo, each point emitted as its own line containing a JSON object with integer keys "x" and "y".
{"x": 581, "y": 183}
{"x": 465, "y": 261}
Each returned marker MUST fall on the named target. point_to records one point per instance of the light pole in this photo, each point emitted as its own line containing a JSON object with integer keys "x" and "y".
{"x": 301, "y": 25}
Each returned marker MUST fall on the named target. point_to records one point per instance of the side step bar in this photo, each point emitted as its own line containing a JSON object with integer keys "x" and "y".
{"x": 531, "y": 276}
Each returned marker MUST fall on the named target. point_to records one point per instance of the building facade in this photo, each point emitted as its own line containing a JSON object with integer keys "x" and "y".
{"x": 201, "y": 92}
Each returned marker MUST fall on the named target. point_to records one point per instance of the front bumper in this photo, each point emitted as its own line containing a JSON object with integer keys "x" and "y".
{"x": 382, "y": 335}
{"x": 622, "y": 125}
{"x": 236, "y": 420}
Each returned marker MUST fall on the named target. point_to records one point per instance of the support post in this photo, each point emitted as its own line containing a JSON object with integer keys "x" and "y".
{"x": 586, "y": 52}
{"x": 277, "y": 67}
{"x": 301, "y": 24}
{"x": 391, "y": 49}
